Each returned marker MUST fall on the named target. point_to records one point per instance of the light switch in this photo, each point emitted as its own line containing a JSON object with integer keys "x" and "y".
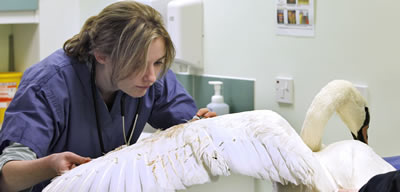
{"x": 284, "y": 89}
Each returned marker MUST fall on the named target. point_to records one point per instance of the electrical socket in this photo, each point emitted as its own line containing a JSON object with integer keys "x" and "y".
{"x": 284, "y": 90}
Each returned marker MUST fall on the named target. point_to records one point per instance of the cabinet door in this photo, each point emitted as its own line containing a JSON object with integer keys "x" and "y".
{"x": 18, "y": 5}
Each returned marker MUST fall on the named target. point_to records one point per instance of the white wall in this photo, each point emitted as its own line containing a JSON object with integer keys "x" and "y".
{"x": 26, "y": 45}
{"x": 354, "y": 40}
{"x": 5, "y": 31}
{"x": 59, "y": 21}
{"x": 90, "y": 8}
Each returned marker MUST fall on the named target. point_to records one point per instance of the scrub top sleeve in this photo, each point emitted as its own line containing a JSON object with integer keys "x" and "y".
{"x": 386, "y": 182}
{"x": 16, "y": 152}
{"x": 173, "y": 104}
{"x": 30, "y": 119}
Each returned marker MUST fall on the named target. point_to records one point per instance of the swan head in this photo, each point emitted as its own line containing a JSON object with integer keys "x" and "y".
{"x": 352, "y": 109}
{"x": 362, "y": 133}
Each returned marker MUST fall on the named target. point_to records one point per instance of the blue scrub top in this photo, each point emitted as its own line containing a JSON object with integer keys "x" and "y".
{"x": 53, "y": 110}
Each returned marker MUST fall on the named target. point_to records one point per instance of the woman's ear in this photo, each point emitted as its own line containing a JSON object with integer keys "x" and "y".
{"x": 100, "y": 57}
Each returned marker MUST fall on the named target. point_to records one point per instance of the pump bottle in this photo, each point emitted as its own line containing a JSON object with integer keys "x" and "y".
{"x": 217, "y": 100}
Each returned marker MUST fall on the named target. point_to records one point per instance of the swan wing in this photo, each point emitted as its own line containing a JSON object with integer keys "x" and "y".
{"x": 260, "y": 144}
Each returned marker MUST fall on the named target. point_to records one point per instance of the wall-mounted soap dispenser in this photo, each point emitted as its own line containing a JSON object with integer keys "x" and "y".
{"x": 184, "y": 22}
{"x": 185, "y": 26}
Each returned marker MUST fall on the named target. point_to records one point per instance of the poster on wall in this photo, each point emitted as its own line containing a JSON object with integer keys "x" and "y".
{"x": 295, "y": 17}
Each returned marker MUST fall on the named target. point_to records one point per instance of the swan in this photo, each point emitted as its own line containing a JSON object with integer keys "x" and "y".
{"x": 346, "y": 164}
{"x": 258, "y": 143}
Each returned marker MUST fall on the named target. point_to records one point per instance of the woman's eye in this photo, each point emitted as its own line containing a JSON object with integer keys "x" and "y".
{"x": 158, "y": 63}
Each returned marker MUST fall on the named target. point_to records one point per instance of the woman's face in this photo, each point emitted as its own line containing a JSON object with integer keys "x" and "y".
{"x": 137, "y": 84}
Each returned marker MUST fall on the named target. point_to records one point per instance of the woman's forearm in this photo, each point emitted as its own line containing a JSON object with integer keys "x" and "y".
{"x": 19, "y": 175}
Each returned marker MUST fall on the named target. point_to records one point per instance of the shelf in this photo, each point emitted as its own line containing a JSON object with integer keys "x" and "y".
{"x": 18, "y": 17}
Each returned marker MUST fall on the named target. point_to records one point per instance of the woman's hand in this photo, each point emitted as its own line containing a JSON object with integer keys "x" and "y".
{"x": 62, "y": 162}
{"x": 19, "y": 175}
{"x": 204, "y": 113}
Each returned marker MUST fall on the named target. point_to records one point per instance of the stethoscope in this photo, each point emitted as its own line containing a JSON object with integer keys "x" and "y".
{"x": 127, "y": 140}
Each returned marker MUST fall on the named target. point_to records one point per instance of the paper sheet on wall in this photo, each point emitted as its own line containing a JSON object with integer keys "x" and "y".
{"x": 295, "y": 17}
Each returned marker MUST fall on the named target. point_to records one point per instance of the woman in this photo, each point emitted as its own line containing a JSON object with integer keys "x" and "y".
{"x": 93, "y": 96}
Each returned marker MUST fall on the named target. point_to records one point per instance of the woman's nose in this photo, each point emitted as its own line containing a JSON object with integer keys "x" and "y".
{"x": 150, "y": 74}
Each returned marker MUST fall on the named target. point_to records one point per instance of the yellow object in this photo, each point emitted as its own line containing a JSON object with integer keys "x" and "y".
{"x": 9, "y": 82}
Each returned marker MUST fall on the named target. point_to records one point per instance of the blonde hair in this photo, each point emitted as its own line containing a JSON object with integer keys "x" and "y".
{"x": 123, "y": 31}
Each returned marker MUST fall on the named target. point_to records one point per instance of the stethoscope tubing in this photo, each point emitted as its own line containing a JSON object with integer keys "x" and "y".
{"x": 128, "y": 140}
{"x": 99, "y": 132}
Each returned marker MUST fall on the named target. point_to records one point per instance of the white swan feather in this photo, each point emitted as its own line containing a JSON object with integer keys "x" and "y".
{"x": 260, "y": 144}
